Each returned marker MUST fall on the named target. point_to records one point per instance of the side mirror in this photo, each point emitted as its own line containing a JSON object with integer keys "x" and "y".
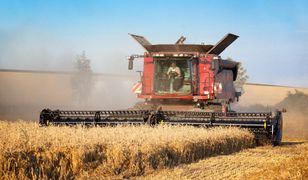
{"x": 131, "y": 58}
{"x": 130, "y": 62}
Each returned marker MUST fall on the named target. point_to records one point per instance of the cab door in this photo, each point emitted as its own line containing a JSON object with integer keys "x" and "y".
{"x": 148, "y": 73}
{"x": 206, "y": 78}
{"x": 195, "y": 76}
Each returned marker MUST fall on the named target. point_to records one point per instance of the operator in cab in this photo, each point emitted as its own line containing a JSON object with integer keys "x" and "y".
{"x": 173, "y": 73}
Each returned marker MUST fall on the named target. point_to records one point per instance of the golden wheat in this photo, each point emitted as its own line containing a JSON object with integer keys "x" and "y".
{"x": 288, "y": 161}
{"x": 30, "y": 151}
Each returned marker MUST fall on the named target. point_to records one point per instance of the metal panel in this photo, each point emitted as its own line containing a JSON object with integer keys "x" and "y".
{"x": 141, "y": 40}
{"x": 147, "y": 80}
{"x": 223, "y": 44}
{"x": 181, "y": 48}
{"x": 225, "y": 77}
{"x": 206, "y": 78}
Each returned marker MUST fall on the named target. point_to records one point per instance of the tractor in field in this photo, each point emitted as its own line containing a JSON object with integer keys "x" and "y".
{"x": 181, "y": 84}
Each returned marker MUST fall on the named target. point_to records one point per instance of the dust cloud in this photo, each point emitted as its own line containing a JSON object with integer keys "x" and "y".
{"x": 24, "y": 95}
{"x": 295, "y": 123}
{"x": 295, "y": 120}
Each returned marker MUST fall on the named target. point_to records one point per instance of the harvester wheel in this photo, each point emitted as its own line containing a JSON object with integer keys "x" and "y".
{"x": 277, "y": 130}
{"x": 152, "y": 119}
{"x": 97, "y": 117}
{"x": 45, "y": 116}
{"x": 155, "y": 117}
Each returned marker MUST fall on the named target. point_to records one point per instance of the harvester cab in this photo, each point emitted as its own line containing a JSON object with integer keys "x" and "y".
{"x": 187, "y": 74}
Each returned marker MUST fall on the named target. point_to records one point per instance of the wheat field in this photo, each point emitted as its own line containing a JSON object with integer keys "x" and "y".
{"x": 288, "y": 161}
{"x": 30, "y": 151}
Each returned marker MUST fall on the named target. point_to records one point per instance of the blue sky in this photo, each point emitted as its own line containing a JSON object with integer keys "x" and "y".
{"x": 273, "y": 43}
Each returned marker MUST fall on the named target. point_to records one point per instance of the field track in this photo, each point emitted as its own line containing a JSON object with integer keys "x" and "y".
{"x": 290, "y": 161}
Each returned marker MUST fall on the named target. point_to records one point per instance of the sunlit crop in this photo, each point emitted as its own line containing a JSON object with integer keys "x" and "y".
{"x": 30, "y": 151}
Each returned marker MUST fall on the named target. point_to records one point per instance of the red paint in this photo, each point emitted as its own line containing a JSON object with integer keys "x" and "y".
{"x": 148, "y": 74}
{"x": 167, "y": 96}
{"x": 202, "y": 77}
{"x": 206, "y": 76}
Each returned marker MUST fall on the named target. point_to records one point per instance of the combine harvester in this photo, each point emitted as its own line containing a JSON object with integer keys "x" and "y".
{"x": 181, "y": 84}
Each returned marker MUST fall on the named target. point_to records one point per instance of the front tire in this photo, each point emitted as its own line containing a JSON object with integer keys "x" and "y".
{"x": 277, "y": 130}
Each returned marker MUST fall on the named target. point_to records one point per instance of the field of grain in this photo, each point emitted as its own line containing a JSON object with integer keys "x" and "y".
{"x": 288, "y": 161}
{"x": 30, "y": 151}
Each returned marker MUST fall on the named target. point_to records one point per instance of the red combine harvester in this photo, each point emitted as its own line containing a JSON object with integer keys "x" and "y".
{"x": 181, "y": 84}
{"x": 186, "y": 76}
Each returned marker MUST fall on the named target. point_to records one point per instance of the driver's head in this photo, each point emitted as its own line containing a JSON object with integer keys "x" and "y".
{"x": 173, "y": 64}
